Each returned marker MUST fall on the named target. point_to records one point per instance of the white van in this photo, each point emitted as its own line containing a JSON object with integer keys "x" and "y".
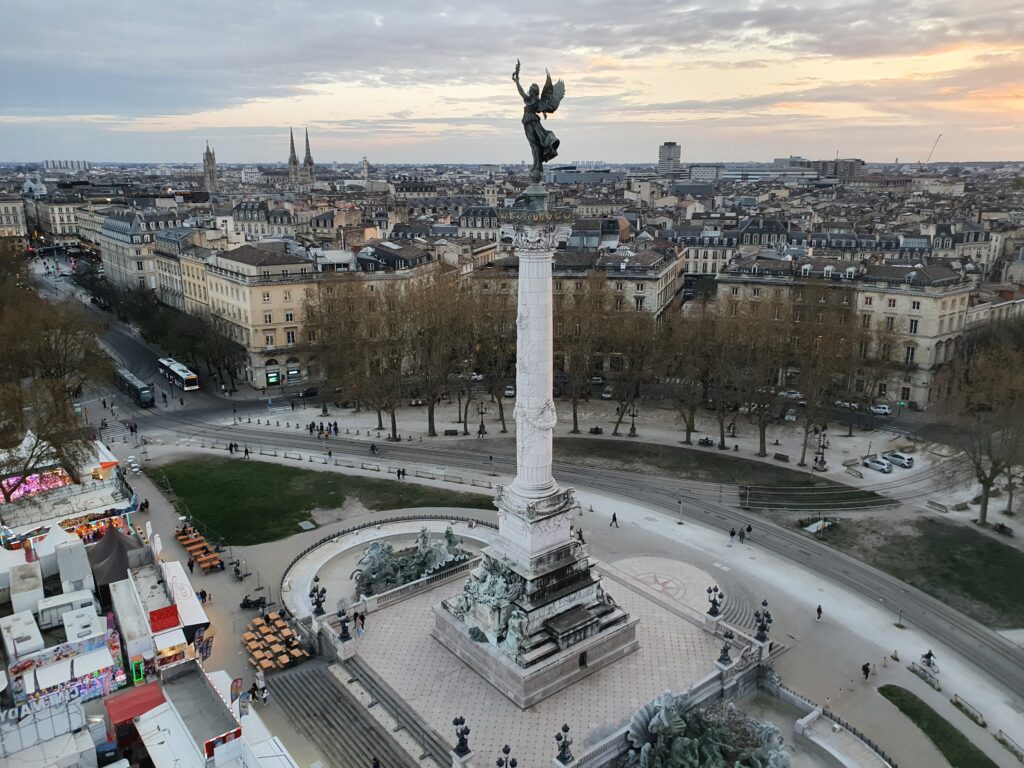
{"x": 51, "y": 609}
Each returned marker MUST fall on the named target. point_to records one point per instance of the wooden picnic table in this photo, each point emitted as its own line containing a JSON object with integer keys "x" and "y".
{"x": 248, "y": 637}
{"x": 192, "y": 540}
{"x": 266, "y": 629}
{"x": 274, "y": 616}
{"x": 296, "y": 653}
{"x": 266, "y": 664}
{"x": 283, "y": 660}
{"x": 209, "y": 564}
{"x": 277, "y": 649}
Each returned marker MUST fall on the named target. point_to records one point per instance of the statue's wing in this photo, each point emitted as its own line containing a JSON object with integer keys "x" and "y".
{"x": 551, "y": 95}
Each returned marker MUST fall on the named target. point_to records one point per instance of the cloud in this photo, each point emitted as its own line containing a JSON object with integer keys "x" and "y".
{"x": 237, "y": 65}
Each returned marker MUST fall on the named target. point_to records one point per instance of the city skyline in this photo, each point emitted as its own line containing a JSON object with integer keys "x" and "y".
{"x": 728, "y": 82}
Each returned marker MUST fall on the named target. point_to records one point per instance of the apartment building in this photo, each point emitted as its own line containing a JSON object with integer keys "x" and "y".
{"x": 257, "y": 220}
{"x": 925, "y": 308}
{"x": 258, "y": 297}
{"x": 57, "y": 218}
{"x": 12, "y": 217}
{"x": 127, "y": 241}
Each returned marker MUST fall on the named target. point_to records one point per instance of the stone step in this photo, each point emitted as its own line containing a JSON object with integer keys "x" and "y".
{"x": 613, "y": 617}
{"x": 431, "y": 742}
{"x": 333, "y": 719}
{"x": 542, "y": 651}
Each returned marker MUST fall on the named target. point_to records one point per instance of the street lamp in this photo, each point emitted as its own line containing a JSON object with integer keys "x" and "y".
{"x": 563, "y": 741}
{"x": 763, "y": 618}
{"x": 481, "y": 409}
{"x": 716, "y": 599}
{"x": 632, "y": 413}
{"x": 505, "y": 761}
{"x": 461, "y": 732}
{"x": 317, "y": 596}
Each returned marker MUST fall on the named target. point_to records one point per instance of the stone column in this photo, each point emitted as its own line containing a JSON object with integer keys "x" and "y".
{"x": 535, "y": 409}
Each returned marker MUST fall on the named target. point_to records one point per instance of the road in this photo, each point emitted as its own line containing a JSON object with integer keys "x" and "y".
{"x": 205, "y": 414}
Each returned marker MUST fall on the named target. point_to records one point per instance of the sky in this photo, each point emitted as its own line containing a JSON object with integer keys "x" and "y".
{"x": 402, "y": 81}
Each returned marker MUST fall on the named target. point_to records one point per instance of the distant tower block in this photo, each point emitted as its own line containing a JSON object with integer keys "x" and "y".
{"x": 366, "y": 169}
{"x": 209, "y": 170}
{"x": 668, "y": 158}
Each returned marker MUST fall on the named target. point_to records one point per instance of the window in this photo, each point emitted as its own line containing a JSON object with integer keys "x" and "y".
{"x": 915, "y": 305}
{"x": 756, "y": 292}
{"x": 904, "y": 393}
{"x": 800, "y": 295}
{"x": 269, "y": 339}
{"x": 777, "y": 315}
{"x": 577, "y": 286}
{"x": 640, "y": 288}
{"x": 886, "y": 351}
{"x": 890, "y": 323}
{"x": 891, "y": 303}
{"x": 289, "y": 317}
{"x": 620, "y": 286}
{"x": 911, "y": 352}
{"x": 882, "y": 388}
{"x": 266, "y": 297}
{"x": 798, "y": 316}
{"x": 867, "y": 301}
{"x": 138, "y": 265}
{"x": 289, "y": 337}
{"x": 639, "y": 303}
{"x": 846, "y": 299}
{"x": 618, "y": 303}
{"x": 287, "y": 295}
{"x": 268, "y": 317}
{"x": 735, "y": 291}
{"x": 913, "y": 326}
{"x": 865, "y": 321}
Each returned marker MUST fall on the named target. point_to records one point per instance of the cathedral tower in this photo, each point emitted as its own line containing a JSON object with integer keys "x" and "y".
{"x": 209, "y": 170}
{"x": 293, "y": 162}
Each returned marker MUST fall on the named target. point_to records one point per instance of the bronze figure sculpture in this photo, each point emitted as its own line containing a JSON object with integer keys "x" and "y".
{"x": 537, "y": 102}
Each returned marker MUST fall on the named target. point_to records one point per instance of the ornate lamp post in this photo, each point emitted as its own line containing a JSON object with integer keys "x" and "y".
{"x": 344, "y": 636}
{"x": 317, "y": 596}
{"x": 564, "y": 741}
{"x": 716, "y": 599}
{"x": 633, "y": 412}
{"x": 724, "y": 658}
{"x": 505, "y": 761}
{"x": 763, "y": 618}
{"x": 461, "y": 733}
{"x": 482, "y": 409}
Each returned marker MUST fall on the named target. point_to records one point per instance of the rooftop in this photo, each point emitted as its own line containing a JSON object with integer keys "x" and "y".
{"x": 201, "y": 708}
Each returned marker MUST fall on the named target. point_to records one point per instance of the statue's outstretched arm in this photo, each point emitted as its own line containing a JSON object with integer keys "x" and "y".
{"x": 520, "y": 87}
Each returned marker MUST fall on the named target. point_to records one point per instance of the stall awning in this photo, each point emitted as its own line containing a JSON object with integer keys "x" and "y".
{"x": 54, "y": 674}
{"x": 91, "y": 662}
{"x": 170, "y": 639}
{"x": 123, "y": 707}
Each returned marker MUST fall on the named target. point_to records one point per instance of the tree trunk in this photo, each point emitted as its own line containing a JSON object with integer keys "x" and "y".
{"x": 1009, "y": 496}
{"x": 850, "y": 424}
{"x": 465, "y": 416}
{"x": 431, "y": 431}
{"x": 501, "y": 413}
{"x": 380, "y": 418}
{"x": 618, "y": 421}
{"x": 803, "y": 447}
{"x": 394, "y": 424}
{"x": 458, "y": 394}
{"x": 575, "y": 415}
{"x": 689, "y": 418}
{"x": 720, "y": 418}
{"x": 986, "y": 489}
{"x": 762, "y": 430}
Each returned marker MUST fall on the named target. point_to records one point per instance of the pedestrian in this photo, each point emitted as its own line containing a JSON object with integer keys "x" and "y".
{"x": 750, "y": 531}
{"x": 743, "y": 535}
{"x": 209, "y": 597}
{"x": 247, "y": 452}
{"x": 819, "y": 614}
{"x": 145, "y": 503}
{"x": 335, "y": 429}
{"x": 165, "y": 399}
{"x": 231, "y": 447}
{"x": 293, "y": 405}
{"x": 191, "y": 565}
{"x": 615, "y": 521}
{"x": 104, "y": 401}
{"x": 358, "y": 624}
{"x": 330, "y": 453}
{"x": 182, "y": 401}
{"x": 223, "y": 389}
{"x": 866, "y": 669}
{"x": 264, "y": 695}
{"x": 202, "y": 596}
{"x": 362, "y": 623}
{"x": 261, "y": 681}
{"x": 254, "y": 693}
{"x": 375, "y": 763}
{"x": 732, "y": 535}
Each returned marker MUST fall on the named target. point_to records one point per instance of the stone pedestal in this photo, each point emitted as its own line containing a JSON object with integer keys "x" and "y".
{"x": 533, "y": 617}
{"x": 462, "y": 761}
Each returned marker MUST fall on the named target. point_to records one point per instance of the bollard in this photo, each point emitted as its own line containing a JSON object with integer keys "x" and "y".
{"x": 421, "y": 438}
{"x": 277, "y": 423}
{"x": 125, "y": 438}
{"x": 257, "y": 421}
{"x": 410, "y": 438}
{"x": 346, "y": 430}
{"x": 250, "y": 419}
{"x": 357, "y": 431}
{"x": 286, "y": 424}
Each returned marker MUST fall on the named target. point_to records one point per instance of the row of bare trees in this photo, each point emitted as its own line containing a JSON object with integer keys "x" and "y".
{"x": 48, "y": 355}
{"x": 383, "y": 341}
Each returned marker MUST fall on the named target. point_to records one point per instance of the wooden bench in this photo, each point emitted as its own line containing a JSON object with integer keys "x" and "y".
{"x": 781, "y": 457}
{"x": 209, "y": 562}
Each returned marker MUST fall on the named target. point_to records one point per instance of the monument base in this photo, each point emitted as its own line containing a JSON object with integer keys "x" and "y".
{"x": 527, "y": 686}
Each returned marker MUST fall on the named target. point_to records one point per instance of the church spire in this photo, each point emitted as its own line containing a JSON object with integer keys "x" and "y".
{"x": 293, "y": 159}
{"x": 308, "y": 161}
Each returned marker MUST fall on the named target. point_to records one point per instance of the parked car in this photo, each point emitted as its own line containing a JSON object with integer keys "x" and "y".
{"x": 881, "y": 410}
{"x": 510, "y": 391}
{"x": 596, "y": 381}
{"x": 309, "y": 392}
{"x": 790, "y": 415}
{"x": 748, "y": 408}
{"x": 879, "y": 465}
{"x": 847, "y": 404}
{"x": 476, "y": 376}
{"x": 607, "y": 393}
{"x": 899, "y": 459}
{"x": 792, "y": 394}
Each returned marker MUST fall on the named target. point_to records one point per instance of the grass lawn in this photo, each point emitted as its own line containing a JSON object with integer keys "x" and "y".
{"x": 771, "y": 487}
{"x": 250, "y": 502}
{"x": 953, "y": 745}
{"x": 957, "y": 564}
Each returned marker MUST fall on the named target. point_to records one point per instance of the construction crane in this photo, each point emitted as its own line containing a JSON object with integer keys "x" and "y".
{"x": 932, "y": 150}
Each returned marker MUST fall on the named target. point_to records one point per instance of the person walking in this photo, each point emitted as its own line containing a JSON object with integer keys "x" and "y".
{"x": 191, "y": 565}
{"x": 375, "y": 763}
{"x": 819, "y": 614}
{"x": 247, "y": 452}
{"x": 615, "y": 521}
{"x": 182, "y": 401}
{"x": 866, "y": 669}
{"x": 357, "y": 619}
{"x": 104, "y": 401}
{"x": 743, "y": 535}
{"x": 732, "y": 535}
{"x": 750, "y": 530}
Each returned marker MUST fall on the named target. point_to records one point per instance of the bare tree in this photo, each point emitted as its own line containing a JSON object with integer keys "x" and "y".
{"x": 581, "y": 320}
{"x": 431, "y": 312}
{"x": 634, "y": 338}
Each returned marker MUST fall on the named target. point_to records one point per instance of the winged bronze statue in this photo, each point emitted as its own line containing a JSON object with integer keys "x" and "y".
{"x": 537, "y": 102}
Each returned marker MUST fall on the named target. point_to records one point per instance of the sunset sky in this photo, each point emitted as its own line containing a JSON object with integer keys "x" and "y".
{"x": 431, "y": 81}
